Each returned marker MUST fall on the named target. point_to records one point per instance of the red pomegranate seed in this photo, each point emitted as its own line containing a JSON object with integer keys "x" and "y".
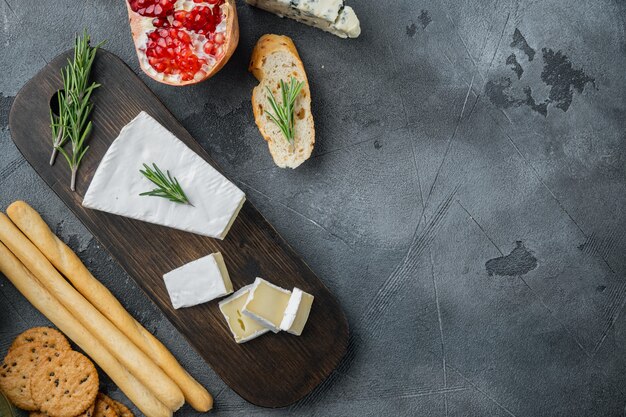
{"x": 160, "y": 22}
{"x": 170, "y": 52}
{"x": 200, "y": 19}
{"x": 152, "y": 8}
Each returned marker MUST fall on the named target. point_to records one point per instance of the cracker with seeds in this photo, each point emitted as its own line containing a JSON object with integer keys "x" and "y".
{"x": 122, "y": 410}
{"x": 47, "y": 336}
{"x": 105, "y": 407}
{"x": 66, "y": 386}
{"x": 15, "y": 373}
{"x": 88, "y": 413}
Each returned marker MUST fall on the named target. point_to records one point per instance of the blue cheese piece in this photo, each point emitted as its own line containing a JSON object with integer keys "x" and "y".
{"x": 242, "y": 327}
{"x": 281, "y": 8}
{"x": 297, "y": 312}
{"x": 327, "y": 10}
{"x": 198, "y": 282}
{"x": 267, "y": 304}
{"x": 328, "y": 15}
{"x": 117, "y": 183}
{"x": 347, "y": 24}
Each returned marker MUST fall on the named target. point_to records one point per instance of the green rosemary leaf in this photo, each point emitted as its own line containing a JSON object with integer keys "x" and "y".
{"x": 167, "y": 186}
{"x": 283, "y": 113}
{"x": 65, "y": 155}
{"x": 74, "y": 100}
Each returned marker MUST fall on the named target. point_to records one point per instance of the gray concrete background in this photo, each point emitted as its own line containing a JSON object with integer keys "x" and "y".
{"x": 464, "y": 200}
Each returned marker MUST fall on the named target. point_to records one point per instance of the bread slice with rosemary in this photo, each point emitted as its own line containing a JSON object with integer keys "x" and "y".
{"x": 282, "y": 101}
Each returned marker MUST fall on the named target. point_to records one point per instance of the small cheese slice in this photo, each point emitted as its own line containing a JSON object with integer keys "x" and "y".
{"x": 117, "y": 183}
{"x": 329, "y": 15}
{"x": 267, "y": 304}
{"x": 297, "y": 312}
{"x": 347, "y": 24}
{"x": 198, "y": 282}
{"x": 242, "y": 327}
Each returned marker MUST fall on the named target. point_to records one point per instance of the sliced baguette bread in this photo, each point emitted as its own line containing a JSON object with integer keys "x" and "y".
{"x": 275, "y": 58}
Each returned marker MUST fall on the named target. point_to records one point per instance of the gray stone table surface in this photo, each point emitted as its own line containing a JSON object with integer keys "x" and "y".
{"x": 464, "y": 200}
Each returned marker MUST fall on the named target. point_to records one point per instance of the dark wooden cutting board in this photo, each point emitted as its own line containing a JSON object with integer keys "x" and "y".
{"x": 270, "y": 371}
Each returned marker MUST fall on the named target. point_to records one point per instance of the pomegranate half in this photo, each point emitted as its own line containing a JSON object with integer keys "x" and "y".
{"x": 181, "y": 42}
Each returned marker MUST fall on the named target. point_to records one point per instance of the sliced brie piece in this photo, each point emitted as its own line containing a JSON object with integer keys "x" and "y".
{"x": 198, "y": 282}
{"x": 297, "y": 312}
{"x": 328, "y": 15}
{"x": 242, "y": 327}
{"x": 267, "y": 304}
{"x": 117, "y": 183}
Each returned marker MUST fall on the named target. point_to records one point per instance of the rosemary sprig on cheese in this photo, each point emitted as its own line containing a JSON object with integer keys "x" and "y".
{"x": 72, "y": 123}
{"x": 283, "y": 112}
{"x": 167, "y": 185}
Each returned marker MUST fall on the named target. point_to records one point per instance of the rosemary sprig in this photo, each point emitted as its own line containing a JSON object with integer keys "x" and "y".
{"x": 72, "y": 123}
{"x": 167, "y": 185}
{"x": 283, "y": 112}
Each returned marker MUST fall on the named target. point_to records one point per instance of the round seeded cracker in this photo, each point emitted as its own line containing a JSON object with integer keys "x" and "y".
{"x": 105, "y": 407}
{"x": 87, "y": 413}
{"x": 66, "y": 386}
{"x": 47, "y": 336}
{"x": 17, "y": 369}
{"x": 122, "y": 410}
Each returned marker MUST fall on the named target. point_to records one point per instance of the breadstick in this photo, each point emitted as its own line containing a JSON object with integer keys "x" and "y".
{"x": 137, "y": 362}
{"x": 66, "y": 261}
{"x": 43, "y": 301}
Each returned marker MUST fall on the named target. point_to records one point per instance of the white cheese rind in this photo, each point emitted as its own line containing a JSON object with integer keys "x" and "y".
{"x": 242, "y": 327}
{"x": 267, "y": 304}
{"x": 198, "y": 282}
{"x": 297, "y": 312}
{"x": 328, "y": 15}
{"x": 117, "y": 183}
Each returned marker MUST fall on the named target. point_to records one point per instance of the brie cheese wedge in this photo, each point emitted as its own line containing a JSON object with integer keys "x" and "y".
{"x": 297, "y": 312}
{"x": 117, "y": 183}
{"x": 241, "y": 326}
{"x": 267, "y": 304}
{"x": 198, "y": 282}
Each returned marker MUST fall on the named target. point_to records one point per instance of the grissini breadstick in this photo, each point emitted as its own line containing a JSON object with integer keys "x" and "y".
{"x": 70, "y": 265}
{"x": 137, "y": 362}
{"x": 43, "y": 301}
